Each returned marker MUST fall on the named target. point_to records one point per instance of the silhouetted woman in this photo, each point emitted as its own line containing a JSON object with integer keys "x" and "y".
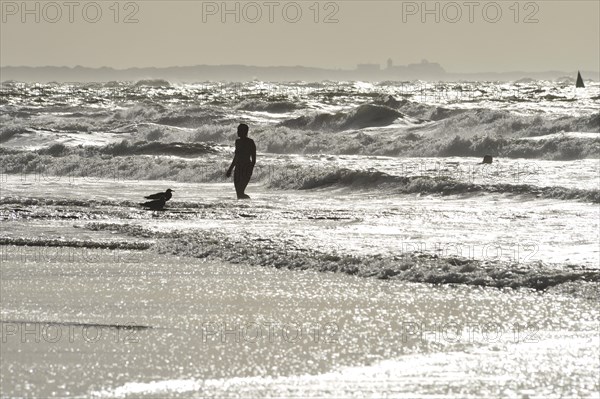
{"x": 243, "y": 161}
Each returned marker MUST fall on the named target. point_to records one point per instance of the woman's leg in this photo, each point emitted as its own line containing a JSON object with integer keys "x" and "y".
{"x": 241, "y": 178}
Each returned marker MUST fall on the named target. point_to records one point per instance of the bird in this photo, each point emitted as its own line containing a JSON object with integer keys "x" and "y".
{"x": 156, "y": 205}
{"x": 166, "y": 195}
{"x": 158, "y": 200}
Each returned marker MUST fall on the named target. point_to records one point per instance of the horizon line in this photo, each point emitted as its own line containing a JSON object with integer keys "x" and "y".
{"x": 283, "y": 66}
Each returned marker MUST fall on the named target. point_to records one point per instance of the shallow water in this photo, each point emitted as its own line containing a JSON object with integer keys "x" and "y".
{"x": 211, "y": 328}
{"x": 484, "y": 227}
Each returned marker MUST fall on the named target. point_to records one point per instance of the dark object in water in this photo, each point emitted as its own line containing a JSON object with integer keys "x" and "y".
{"x": 156, "y": 205}
{"x": 579, "y": 80}
{"x": 487, "y": 159}
{"x": 166, "y": 195}
{"x": 59, "y": 324}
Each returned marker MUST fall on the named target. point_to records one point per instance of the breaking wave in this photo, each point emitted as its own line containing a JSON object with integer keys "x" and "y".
{"x": 418, "y": 110}
{"x": 366, "y": 115}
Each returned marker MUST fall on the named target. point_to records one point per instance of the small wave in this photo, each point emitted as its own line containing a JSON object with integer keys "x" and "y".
{"x": 165, "y": 388}
{"x": 411, "y": 267}
{"x": 308, "y": 179}
{"x": 145, "y": 112}
{"x": 124, "y": 148}
{"x": 158, "y": 148}
{"x": 113, "y": 83}
{"x": 11, "y": 132}
{"x": 49, "y": 242}
{"x": 525, "y": 80}
{"x": 38, "y": 208}
{"x": 191, "y": 118}
{"x": 274, "y": 107}
{"x": 152, "y": 83}
{"x": 36, "y": 201}
{"x": 581, "y": 135}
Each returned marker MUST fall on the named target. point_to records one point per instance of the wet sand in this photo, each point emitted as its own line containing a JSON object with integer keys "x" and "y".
{"x": 217, "y": 329}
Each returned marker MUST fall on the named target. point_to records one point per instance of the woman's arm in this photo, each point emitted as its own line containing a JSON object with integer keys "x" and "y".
{"x": 234, "y": 161}
{"x": 253, "y": 155}
{"x": 228, "y": 174}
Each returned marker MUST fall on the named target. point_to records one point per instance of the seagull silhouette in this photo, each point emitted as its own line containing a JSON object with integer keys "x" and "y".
{"x": 166, "y": 195}
{"x": 158, "y": 200}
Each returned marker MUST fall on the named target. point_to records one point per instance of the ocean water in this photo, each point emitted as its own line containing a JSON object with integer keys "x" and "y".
{"x": 376, "y": 257}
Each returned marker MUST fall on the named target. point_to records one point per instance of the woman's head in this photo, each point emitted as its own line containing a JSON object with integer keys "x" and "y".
{"x": 243, "y": 130}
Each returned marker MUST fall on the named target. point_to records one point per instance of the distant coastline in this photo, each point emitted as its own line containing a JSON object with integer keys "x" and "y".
{"x": 429, "y": 71}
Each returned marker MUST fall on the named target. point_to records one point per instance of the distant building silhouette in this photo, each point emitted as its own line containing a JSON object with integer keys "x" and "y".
{"x": 422, "y": 70}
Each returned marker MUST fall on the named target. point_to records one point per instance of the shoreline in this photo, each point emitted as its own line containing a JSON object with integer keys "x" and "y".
{"x": 273, "y": 332}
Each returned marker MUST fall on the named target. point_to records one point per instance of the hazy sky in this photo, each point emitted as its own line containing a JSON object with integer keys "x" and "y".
{"x": 560, "y": 35}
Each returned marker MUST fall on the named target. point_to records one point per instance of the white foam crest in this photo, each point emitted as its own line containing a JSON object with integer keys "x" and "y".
{"x": 492, "y": 369}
